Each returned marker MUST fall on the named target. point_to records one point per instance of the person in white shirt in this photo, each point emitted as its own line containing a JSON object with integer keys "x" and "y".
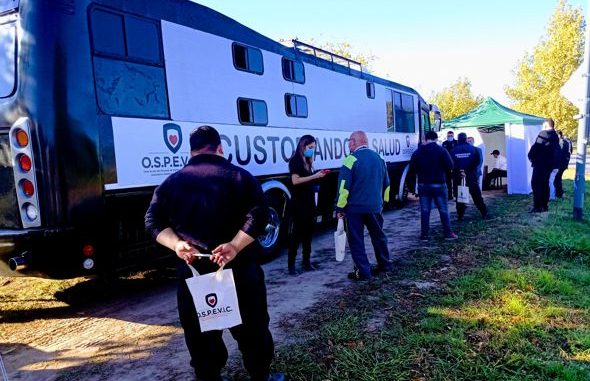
{"x": 499, "y": 168}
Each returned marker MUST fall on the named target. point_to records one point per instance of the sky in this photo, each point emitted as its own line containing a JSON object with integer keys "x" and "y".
{"x": 426, "y": 44}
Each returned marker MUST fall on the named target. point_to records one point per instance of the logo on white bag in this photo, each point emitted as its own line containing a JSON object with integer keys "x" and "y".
{"x": 211, "y": 300}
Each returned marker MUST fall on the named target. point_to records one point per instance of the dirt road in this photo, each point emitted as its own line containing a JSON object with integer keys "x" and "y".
{"x": 137, "y": 336}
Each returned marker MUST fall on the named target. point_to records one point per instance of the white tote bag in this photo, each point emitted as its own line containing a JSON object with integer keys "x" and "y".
{"x": 215, "y": 298}
{"x": 463, "y": 193}
{"x": 340, "y": 240}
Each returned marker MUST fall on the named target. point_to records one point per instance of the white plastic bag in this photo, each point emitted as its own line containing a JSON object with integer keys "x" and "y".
{"x": 215, "y": 298}
{"x": 340, "y": 240}
{"x": 463, "y": 193}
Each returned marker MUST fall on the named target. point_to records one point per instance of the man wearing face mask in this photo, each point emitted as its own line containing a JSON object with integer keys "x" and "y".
{"x": 449, "y": 144}
{"x": 212, "y": 206}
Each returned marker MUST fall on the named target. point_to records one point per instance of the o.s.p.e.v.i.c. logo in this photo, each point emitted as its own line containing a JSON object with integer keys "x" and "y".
{"x": 172, "y": 137}
{"x": 211, "y": 300}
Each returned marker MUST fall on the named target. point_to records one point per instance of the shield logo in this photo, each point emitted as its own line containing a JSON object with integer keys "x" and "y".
{"x": 211, "y": 300}
{"x": 408, "y": 140}
{"x": 172, "y": 137}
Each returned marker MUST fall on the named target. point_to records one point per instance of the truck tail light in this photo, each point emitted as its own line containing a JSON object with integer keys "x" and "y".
{"x": 27, "y": 187}
{"x": 21, "y": 137}
{"x": 24, "y": 162}
{"x": 25, "y": 176}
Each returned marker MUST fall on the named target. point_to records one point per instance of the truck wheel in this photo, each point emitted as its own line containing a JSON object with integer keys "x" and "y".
{"x": 277, "y": 226}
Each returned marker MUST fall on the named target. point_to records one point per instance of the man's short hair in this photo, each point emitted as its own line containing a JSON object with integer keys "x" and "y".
{"x": 560, "y": 133}
{"x": 495, "y": 152}
{"x": 431, "y": 135}
{"x": 205, "y": 137}
{"x": 462, "y": 137}
{"x": 550, "y": 122}
{"x": 450, "y": 133}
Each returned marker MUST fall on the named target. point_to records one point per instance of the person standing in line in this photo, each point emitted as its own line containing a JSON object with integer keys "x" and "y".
{"x": 565, "y": 153}
{"x": 543, "y": 156}
{"x": 363, "y": 186}
{"x": 431, "y": 163}
{"x": 303, "y": 204}
{"x": 499, "y": 169}
{"x": 479, "y": 173}
{"x": 213, "y": 206}
{"x": 449, "y": 144}
{"x": 465, "y": 160}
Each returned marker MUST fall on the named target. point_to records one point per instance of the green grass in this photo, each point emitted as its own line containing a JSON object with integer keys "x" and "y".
{"x": 516, "y": 308}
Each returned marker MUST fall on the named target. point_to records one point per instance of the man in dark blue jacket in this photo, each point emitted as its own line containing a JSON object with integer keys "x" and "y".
{"x": 466, "y": 160}
{"x": 449, "y": 144}
{"x": 363, "y": 185}
{"x": 544, "y": 157}
{"x": 565, "y": 153}
{"x": 431, "y": 163}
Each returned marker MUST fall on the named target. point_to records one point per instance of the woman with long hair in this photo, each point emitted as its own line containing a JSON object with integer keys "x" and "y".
{"x": 303, "y": 205}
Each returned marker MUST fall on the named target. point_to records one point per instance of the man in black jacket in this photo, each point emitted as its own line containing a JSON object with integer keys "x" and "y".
{"x": 466, "y": 160}
{"x": 431, "y": 163}
{"x": 565, "y": 153}
{"x": 449, "y": 144}
{"x": 212, "y": 206}
{"x": 543, "y": 155}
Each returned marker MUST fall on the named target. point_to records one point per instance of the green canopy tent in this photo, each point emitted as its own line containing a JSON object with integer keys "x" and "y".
{"x": 494, "y": 126}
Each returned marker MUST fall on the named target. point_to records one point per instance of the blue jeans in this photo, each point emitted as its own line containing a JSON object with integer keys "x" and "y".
{"x": 437, "y": 194}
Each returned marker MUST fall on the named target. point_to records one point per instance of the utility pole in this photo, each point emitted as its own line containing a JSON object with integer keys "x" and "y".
{"x": 583, "y": 131}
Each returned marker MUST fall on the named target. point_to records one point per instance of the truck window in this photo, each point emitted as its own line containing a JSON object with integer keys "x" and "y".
{"x": 296, "y": 105}
{"x": 129, "y": 74}
{"x": 7, "y": 59}
{"x": 247, "y": 59}
{"x": 293, "y": 71}
{"x": 252, "y": 112}
{"x": 143, "y": 39}
{"x": 404, "y": 112}
{"x": 370, "y": 90}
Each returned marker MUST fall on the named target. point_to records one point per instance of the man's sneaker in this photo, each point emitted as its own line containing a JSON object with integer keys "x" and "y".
{"x": 536, "y": 210}
{"x": 451, "y": 237}
{"x": 424, "y": 238}
{"x": 292, "y": 271}
{"x": 356, "y": 276}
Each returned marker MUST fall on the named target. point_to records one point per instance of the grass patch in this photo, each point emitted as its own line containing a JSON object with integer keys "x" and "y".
{"x": 515, "y": 307}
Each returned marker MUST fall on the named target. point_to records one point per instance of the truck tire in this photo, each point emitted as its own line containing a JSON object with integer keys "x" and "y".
{"x": 278, "y": 223}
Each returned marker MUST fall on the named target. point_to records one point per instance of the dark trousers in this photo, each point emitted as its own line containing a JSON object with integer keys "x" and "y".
{"x": 449, "y": 178}
{"x": 301, "y": 232}
{"x": 207, "y": 350}
{"x": 494, "y": 174}
{"x": 540, "y": 185}
{"x": 437, "y": 194}
{"x": 558, "y": 184}
{"x": 356, "y": 223}
{"x": 475, "y": 193}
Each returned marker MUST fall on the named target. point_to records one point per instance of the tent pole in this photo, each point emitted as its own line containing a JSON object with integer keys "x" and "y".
{"x": 583, "y": 129}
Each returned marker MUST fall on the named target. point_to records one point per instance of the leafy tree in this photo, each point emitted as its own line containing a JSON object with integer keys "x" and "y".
{"x": 455, "y": 99}
{"x": 540, "y": 75}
